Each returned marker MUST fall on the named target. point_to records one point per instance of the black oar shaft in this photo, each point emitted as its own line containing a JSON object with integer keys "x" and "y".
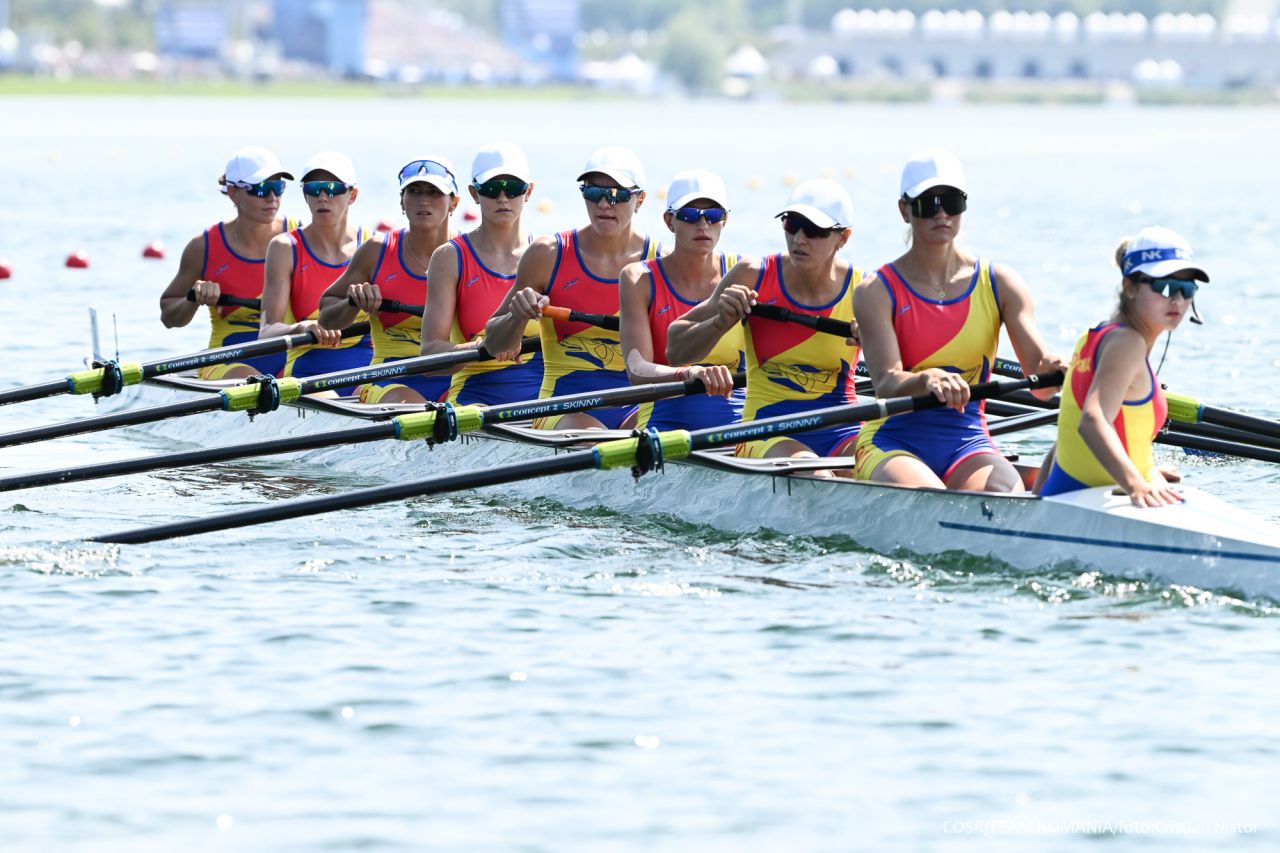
{"x": 393, "y": 306}
{"x": 228, "y": 299}
{"x": 203, "y": 456}
{"x": 33, "y": 392}
{"x": 181, "y": 408}
{"x": 580, "y": 460}
{"x": 1214, "y": 445}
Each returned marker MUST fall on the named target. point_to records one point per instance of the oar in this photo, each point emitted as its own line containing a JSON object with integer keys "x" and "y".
{"x": 642, "y": 453}
{"x": 228, "y": 299}
{"x": 1190, "y": 410}
{"x": 566, "y": 315}
{"x": 113, "y": 376}
{"x": 391, "y": 306}
{"x": 258, "y": 395}
{"x": 432, "y": 424}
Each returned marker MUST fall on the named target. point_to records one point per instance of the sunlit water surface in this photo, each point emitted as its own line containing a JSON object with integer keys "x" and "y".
{"x": 478, "y": 672}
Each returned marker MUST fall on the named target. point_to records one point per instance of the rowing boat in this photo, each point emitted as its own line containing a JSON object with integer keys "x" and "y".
{"x": 1204, "y": 542}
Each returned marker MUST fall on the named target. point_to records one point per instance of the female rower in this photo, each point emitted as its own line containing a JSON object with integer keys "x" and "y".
{"x": 578, "y": 269}
{"x": 1112, "y": 404}
{"x": 473, "y": 272}
{"x": 227, "y": 258}
{"x": 395, "y": 268}
{"x": 657, "y": 292}
{"x": 303, "y": 262}
{"x": 930, "y": 324}
{"x": 790, "y": 367}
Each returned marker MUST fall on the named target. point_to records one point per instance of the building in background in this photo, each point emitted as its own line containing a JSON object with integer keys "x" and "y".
{"x": 190, "y": 29}
{"x": 328, "y": 33}
{"x": 544, "y": 32}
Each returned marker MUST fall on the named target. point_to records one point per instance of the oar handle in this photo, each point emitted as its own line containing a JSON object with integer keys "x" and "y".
{"x": 568, "y": 315}
{"x": 228, "y": 299}
{"x": 826, "y": 325}
{"x": 392, "y": 306}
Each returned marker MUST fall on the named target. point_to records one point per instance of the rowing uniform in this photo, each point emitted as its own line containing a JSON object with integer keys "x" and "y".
{"x": 578, "y": 357}
{"x": 480, "y": 293}
{"x": 692, "y": 411}
{"x": 792, "y": 368}
{"x": 308, "y": 281}
{"x": 958, "y": 335}
{"x": 238, "y": 276}
{"x": 395, "y": 334}
{"x": 1074, "y": 465}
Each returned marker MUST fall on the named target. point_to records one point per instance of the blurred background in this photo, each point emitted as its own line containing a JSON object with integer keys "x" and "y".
{"x": 1079, "y": 51}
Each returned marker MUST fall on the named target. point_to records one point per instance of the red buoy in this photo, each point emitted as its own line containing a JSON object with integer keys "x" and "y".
{"x": 470, "y": 215}
{"x": 78, "y": 260}
{"x": 6, "y": 271}
{"x": 154, "y": 249}
{"x": 385, "y": 225}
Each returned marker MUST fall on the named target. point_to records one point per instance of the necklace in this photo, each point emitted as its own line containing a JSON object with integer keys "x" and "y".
{"x": 413, "y": 256}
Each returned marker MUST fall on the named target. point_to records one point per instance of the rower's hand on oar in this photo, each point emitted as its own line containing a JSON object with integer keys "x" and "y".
{"x": 324, "y": 337}
{"x": 734, "y": 304}
{"x": 367, "y": 297}
{"x": 1050, "y": 363}
{"x": 205, "y": 292}
{"x": 717, "y": 378}
{"x": 527, "y": 304}
{"x": 950, "y": 388}
{"x": 854, "y": 339}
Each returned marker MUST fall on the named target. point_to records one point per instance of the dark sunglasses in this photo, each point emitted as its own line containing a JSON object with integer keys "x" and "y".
{"x": 263, "y": 188}
{"x": 795, "y": 223}
{"x": 615, "y": 195}
{"x": 693, "y": 214}
{"x": 1169, "y": 287}
{"x": 495, "y": 187}
{"x": 927, "y": 205}
{"x": 315, "y": 188}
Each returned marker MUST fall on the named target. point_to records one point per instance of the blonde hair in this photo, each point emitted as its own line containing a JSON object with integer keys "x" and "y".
{"x": 1125, "y": 309}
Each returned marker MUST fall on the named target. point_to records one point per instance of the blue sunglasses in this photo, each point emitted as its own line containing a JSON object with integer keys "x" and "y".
{"x": 1169, "y": 286}
{"x": 262, "y": 189}
{"x": 332, "y": 188}
{"x": 429, "y": 167}
{"x": 693, "y": 214}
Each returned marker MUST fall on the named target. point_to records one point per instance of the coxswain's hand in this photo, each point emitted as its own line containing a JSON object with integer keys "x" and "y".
{"x": 1158, "y": 493}
{"x": 949, "y": 388}
{"x": 207, "y": 292}
{"x": 366, "y": 296}
{"x": 527, "y": 304}
{"x": 715, "y": 377}
{"x": 734, "y": 304}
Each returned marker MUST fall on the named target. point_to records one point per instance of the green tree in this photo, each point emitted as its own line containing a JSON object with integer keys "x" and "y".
{"x": 693, "y": 51}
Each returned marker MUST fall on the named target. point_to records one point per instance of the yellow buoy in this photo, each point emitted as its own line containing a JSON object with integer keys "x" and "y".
{"x": 790, "y": 180}
{"x": 754, "y": 183}
{"x": 544, "y": 206}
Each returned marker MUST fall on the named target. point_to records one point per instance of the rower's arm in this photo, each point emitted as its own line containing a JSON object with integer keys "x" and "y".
{"x": 691, "y": 338}
{"x": 1018, "y": 313}
{"x": 634, "y": 289}
{"x": 175, "y": 310}
{"x": 276, "y": 285}
{"x": 442, "y": 305}
{"x": 335, "y": 311}
{"x": 526, "y": 298}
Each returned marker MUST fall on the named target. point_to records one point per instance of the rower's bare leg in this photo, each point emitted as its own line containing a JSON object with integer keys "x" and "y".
{"x": 902, "y": 469}
{"x": 578, "y": 420}
{"x": 240, "y": 371}
{"x": 404, "y": 394}
{"x": 985, "y": 472}
{"x": 789, "y": 448}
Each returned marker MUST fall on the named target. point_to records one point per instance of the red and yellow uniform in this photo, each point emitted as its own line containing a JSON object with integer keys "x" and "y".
{"x": 693, "y": 411}
{"x": 480, "y": 292}
{"x": 307, "y": 283}
{"x": 792, "y": 368}
{"x": 395, "y": 334}
{"x": 578, "y": 357}
{"x": 958, "y": 335}
{"x": 1075, "y": 467}
{"x": 239, "y": 276}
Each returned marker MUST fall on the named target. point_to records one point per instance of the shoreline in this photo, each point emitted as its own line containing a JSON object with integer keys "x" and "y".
{"x": 949, "y": 91}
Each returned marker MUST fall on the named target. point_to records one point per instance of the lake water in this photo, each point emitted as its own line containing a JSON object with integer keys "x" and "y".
{"x": 483, "y": 673}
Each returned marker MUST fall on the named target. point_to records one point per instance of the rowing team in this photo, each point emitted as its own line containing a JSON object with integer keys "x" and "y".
{"x": 926, "y": 323}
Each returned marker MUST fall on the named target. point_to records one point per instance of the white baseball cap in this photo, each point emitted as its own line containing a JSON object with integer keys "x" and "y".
{"x": 433, "y": 170}
{"x": 1159, "y": 252}
{"x": 337, "y": 164}
{"x": 932, "y": 168}
{"x": 500, "y": 158}
{"x": 693, "y": 184}
{"x": 822, "y": 202}
{"x": 621, "y": 164}
{"x": 252, "y": 165}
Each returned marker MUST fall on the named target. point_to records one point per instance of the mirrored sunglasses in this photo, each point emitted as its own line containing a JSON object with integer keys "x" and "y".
{"x": 1169, "y": 287}
{"x": 927, "y": 205}
{"x": 693, "y": 214}
{"x": 795, "y": 223}
{"x": 332, "y": 188}
{"x": 262, "y": 189}
{"x": 615, "y": 195}
{"x": 495, "y": 187}
{"x": 428, "y": 167}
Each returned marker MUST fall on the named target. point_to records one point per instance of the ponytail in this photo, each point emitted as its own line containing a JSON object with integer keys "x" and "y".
{"x": 1125, "y": 311}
